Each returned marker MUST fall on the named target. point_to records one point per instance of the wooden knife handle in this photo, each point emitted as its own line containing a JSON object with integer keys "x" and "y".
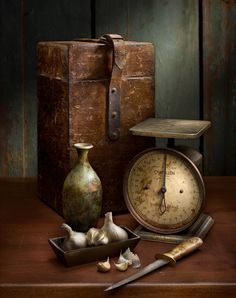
{"x": 181, "y": 250}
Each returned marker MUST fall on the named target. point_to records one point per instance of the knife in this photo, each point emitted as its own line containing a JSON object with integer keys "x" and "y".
{"x": 181, "y": 250}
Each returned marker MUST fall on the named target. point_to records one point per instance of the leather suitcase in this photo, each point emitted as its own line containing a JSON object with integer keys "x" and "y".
{"x": 92, "y": 91}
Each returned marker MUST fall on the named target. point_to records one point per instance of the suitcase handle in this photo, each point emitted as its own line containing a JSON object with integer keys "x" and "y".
{"x": 118, "y": 61}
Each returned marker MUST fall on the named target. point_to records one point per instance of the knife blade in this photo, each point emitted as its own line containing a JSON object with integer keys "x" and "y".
{"x": 181, "y": 250}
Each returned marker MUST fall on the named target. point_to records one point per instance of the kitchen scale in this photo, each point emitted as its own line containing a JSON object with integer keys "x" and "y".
{"x": 163, "y": 187}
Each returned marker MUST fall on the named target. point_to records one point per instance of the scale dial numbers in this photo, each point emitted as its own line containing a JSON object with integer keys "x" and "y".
{"x": 163, "y": 190}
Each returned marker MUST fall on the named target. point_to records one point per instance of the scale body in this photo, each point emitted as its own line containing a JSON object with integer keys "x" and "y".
{"x": 163, "y": 187}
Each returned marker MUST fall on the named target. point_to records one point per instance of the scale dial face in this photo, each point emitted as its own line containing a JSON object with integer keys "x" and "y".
{"x": 164, "y": 190}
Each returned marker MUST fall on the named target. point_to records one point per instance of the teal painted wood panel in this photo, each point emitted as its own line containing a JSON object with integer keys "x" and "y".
{"x": 11, "y": 104}
{"x": 24, "y": 23}
{"x": 173, "y": 27}
{"x": 219, "y": 86}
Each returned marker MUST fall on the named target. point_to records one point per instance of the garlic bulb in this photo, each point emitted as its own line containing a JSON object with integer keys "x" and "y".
{"x": 121, "y": 266}
{"x": 113, "y": 232}
{"x": 96, "y": 237}
{"x": 73, "y": 240}
{"x": 104, "y": 266}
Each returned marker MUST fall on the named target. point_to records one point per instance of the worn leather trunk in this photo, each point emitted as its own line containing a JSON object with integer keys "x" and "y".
{"x": 92, "y": 91}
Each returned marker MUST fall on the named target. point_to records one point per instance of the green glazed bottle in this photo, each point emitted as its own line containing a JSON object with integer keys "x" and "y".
{"x": 82, "y": 193}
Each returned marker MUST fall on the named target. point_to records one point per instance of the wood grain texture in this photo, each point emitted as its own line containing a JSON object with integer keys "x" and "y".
{"x": 77, "y": 112}
{"x": 173, "y": 27}
{"x": 23, "y": 24}
{"x": 219, "y": 79}
{"x": 29, "y": 268}
{"x": 11, "y": 102}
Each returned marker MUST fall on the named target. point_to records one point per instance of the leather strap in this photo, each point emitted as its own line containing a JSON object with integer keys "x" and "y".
{"x": 116, "y": 42}
{"x": 118, "y": 61}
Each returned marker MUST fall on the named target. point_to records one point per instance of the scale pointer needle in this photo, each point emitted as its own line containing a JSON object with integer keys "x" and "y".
{"x": 163, "y": 189}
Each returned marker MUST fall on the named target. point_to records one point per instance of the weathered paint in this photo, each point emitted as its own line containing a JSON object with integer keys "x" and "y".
{"x": 11, "y": 108}
{"x": 219, "y": 83}
{"x": 73, "y": 83}
{"x": 24, "y": 23}
{"x": 173, "y": 27}
{"x": 61, "y": 20}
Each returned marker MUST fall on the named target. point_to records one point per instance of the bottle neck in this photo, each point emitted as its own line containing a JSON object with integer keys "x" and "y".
{"x": 82, "y": 151}
{"x": 82, "y": 155}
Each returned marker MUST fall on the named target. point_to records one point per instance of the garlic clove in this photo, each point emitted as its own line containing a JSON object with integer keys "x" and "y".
{"x": 121, "y": 266}
{"x": 136, "y": 261}
{"x": 96, "y": 237}
{"x": 104, "y": 266}
{"x": 91, "y": 234}
{"x": 128, "y": 254}
{"x": 133, "y": 258}
{"x": 101, "y": 238}
{"x": 113, "y": 231}
{"x": 73, "y": 240}
{"x": 121, "y": 259}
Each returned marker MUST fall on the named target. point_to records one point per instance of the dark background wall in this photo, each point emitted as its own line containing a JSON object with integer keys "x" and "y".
{"x": 195, "y": 66}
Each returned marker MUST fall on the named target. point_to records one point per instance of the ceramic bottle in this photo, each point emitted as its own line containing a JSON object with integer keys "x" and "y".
{"x": 82, "y": 193}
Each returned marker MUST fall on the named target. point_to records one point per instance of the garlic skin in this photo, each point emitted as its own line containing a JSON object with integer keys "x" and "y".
{"x": 91, "y": 235}
{"x": 96, "y": 237}
{"x": 104, "y": 266}
{"x": 73, "y": 240}
{"x": 121, "y": 266}
{"x": 133, "y": 258}
{"x": 128, "y": 254}
{"x": 123, "y": 260}
{"x": 113, "y": 231}
{"x": 136, "y": 261}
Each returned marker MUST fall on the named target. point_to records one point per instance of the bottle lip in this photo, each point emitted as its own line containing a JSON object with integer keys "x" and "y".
{"x": 83, "y": 145}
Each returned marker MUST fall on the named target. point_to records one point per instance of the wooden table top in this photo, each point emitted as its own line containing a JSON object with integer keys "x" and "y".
{"x": 29, "y": 268}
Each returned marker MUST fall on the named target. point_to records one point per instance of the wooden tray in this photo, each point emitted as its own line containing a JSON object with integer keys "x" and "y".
{"x": 93, "y": 253}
